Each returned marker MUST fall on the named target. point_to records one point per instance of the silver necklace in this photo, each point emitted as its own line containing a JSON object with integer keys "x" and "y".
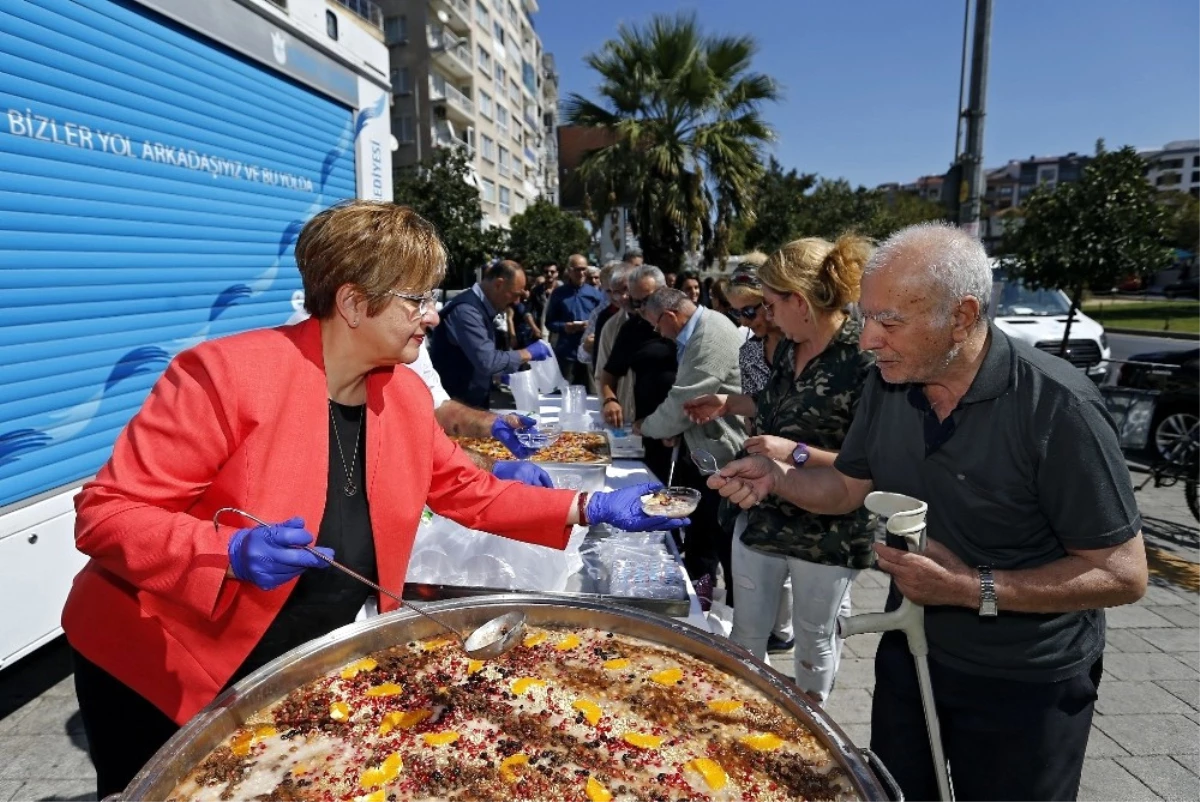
{"x": 349, "y": 488}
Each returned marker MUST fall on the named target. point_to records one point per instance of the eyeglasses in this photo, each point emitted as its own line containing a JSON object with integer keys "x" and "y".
{"x": 768, "y": 306}
{"x": 748, "y": 312}
{"x": 636, "y": 303}
{"x": 425, "y": 303}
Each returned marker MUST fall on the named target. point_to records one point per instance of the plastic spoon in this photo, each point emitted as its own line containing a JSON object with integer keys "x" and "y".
{"x": 705, "y": 462}
{"x": 491, "y": 639}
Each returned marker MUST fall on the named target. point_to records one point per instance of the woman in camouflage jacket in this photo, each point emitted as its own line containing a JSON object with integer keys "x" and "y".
{"x": 801, "y": 416}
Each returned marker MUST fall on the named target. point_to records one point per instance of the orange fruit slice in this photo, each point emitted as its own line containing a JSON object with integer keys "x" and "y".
{"x": 354, "y": 669}
{"x": 525, "y": 683}
{"x": 725, "y": 705}
{"x": 597, "y": 792}
{"x": 643, "y": 740}
{"x": 474, "y": 666}
{"x": 402, "y": 720}
{"x": 669, "y": 676}
{"x": 567, "y": 643}
{"x": 440, "y": 738}
{"x": 616, "y": 664}
{"x": 339, "y": 711}
{"x": 506, "y": 765}
{"x": 534, "y": 638}
{"x": 386, "y": 689}
{"x": 714, "y": 776}
{"x": 763, "y": 741}
{"x": 590, "y": 710}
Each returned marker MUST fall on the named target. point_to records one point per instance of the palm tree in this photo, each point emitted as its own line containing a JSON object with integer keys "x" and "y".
{"x": 683, "y": 112}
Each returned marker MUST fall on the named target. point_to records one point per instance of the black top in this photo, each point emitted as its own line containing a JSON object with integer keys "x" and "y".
{"x": 325, "y": 599}
{"x": 1026, "y": 466}
{"x": 650, "y": 357}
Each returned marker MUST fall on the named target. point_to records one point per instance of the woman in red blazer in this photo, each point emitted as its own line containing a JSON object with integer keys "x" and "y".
{"x": 310, "y": 425}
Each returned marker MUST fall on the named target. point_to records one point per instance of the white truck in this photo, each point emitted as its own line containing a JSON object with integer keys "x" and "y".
{"x": 1039, "y": 317}
{"x": 157, "y": 160}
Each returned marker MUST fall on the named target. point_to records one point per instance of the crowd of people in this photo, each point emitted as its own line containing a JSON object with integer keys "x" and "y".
{"x": 813, "y": 375}
{"x": 824, "y": 371}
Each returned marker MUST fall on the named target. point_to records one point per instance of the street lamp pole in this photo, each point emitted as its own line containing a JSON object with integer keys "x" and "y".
{"x": 972, "y": 157}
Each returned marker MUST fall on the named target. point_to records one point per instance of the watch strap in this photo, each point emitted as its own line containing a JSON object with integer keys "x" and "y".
{"x": 987, "y": 592}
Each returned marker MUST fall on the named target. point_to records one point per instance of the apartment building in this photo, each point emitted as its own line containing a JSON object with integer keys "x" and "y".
{"x": 472, "y": 74}
{"x": 1174, "y": 166}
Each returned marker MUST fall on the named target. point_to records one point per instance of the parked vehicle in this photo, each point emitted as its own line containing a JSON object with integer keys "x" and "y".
{"x": 1184, "y": 288}
{"x": 157, "y": 171}
{"x": 1039, "y": 317}
{"x": 1175, "y": 375}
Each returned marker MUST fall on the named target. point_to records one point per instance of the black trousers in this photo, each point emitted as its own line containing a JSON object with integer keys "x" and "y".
{"x": 1004, "y": 739}
{"x": 706, "y": 543}
{"x": 123, "y": 729}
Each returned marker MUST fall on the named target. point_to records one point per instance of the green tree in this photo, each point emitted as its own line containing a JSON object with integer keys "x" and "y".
{"x": 778, "y": 203}
{"x": 791, "y": 205}
{"x": 1183, "y": 220}
{"x": 440, "y": 189}
{"x": 1106, "y": 226}
{"x": 545, "y": 233}
{"x": 688, "y": 134}
{"x": 905, "y": 210}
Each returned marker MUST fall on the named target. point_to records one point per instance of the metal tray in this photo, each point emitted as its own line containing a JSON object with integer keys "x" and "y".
{"x": 227, "y": 712}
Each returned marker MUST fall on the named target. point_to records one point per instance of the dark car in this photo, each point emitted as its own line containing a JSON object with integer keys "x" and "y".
{"x": 1176, "y": 376}
{"x": 1184, "y": 288}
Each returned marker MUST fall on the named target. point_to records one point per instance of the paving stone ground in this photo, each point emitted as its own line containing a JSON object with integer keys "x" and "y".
{"x": 1145, "y": 742}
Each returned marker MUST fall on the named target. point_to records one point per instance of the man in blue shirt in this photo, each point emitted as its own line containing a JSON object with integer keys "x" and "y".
{"x": 567, "y": 316}
{"x": 464, "y": 347}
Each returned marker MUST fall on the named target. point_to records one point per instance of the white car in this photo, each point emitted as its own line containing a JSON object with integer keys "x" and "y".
{"x": 1039, "y": 317}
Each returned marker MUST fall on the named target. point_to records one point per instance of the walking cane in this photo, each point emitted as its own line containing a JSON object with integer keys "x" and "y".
{"x": 906, "y": 518}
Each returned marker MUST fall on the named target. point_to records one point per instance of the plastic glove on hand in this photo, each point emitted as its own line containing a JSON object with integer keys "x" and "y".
{"x": 504, "y": 431}
{"x": 522, "y": 471}
{"x": 538, "y": 350}
{"x": 623, "y": 509}
{"x": 269, "y": 556}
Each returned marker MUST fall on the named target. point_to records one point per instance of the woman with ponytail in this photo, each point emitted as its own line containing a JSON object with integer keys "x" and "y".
{"x": 801, "y": 416}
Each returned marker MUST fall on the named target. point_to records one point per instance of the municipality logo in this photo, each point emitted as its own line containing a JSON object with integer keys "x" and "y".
{"x": 279, "y": 47}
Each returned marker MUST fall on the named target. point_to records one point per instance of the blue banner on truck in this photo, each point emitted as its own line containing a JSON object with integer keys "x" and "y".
{"x": 152, "y": 185}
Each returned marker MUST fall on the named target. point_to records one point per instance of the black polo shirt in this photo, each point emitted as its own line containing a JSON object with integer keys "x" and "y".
{"x": 651, "y": 357}
{"x": 1027, "y": 466}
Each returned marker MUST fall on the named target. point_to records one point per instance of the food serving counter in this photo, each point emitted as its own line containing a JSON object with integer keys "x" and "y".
{"x": 602, "y": 565}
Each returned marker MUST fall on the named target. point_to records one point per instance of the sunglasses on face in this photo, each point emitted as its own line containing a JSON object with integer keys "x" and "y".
{"x": 745, "y": 280}
{"x": 748, "y": 312}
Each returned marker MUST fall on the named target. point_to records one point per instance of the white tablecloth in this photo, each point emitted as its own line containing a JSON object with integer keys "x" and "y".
{"x": 622, "y": 473}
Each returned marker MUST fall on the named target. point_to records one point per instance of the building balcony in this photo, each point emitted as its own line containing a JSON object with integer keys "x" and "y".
{"x": 443, "y": 135}
{"x": 454, "y": 14}
{"x": 450, "y": 52}
{"x": 458, "y": 106}
{"x": 365, "y": 9}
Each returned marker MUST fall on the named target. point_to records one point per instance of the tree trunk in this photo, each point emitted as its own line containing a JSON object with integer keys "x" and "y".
{"x": 1076, "y": 299}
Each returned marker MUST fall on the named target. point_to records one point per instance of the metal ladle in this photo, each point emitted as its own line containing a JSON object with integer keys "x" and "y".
{"x": 492, "y": 639}
{"x": 705, "y": 462}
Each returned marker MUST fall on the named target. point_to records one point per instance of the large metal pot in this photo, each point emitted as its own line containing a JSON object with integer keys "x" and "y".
{"x": 318, "y": 657}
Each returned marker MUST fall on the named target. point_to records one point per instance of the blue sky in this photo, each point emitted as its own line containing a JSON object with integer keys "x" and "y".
{"x": 871, "y": 86}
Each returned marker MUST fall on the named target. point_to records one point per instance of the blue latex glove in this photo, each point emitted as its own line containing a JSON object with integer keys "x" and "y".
{"x": 268, "y": 555}
{"x": 623, "y": 509}
{"x": 538, "y": 350}
{"x": 503, "y": 431}
{"x": 522, "y": 471}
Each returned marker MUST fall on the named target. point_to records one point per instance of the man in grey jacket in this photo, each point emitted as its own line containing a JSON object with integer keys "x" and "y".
{"x": 707, "y": 346}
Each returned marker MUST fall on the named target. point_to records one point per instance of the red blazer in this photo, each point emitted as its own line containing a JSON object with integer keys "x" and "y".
{"x": 243, "y": 421}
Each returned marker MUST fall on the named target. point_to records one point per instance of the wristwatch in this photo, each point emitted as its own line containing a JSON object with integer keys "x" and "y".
{"x": 987, "y": 592}
{"x": 800, "y": 455}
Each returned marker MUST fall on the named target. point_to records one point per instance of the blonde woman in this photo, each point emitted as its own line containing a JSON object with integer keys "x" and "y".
{"x": 802, "y": 415}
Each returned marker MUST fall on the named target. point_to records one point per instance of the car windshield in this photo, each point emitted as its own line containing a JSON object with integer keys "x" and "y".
{"x": 1013, "y": 298}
